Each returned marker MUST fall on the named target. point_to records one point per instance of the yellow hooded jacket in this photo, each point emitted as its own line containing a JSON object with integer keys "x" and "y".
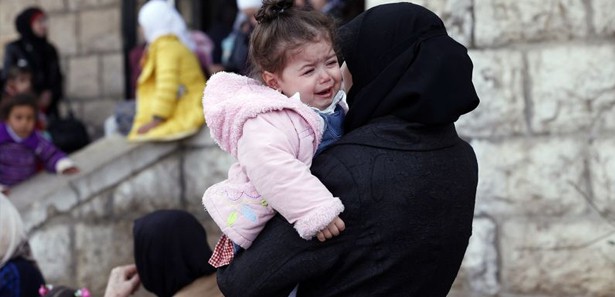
{"x": 170, "y": 87}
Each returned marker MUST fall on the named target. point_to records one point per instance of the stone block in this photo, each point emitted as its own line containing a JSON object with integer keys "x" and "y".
{"x": 604, "y": 16}
{"x": 456, "y": 15}
{"x": 155, "y": 188}
{"x": 499, "y": 22}
{"x": 572, "y": 89}
{"x": 498, "y": 79}
{"x": 480, "y": 266}
{"x": 531, "y": 176}
{"x": 52, "y": 247}
{"x": 203, "y": 168}
{"x": 8, "y": 13}
{"x": 62, "y": 32}
{"x": 95, "y": 112}
{"x": 83, "y": 77}
{"x": 89, "y": 4}
{"x": 567, "y": 257}
{"x": 200, "y": 140}
{"x": 51, "y": 6}
{"x": 113, "y": 75}
{"x": 100, "y": 30}
{"x": 112, "y": 160}
{"x": 98, "y": 249}
{"x": 602, "y": 174}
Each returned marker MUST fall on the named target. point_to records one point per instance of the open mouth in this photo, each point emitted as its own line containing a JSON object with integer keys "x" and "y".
{"x": 325, "y": 93}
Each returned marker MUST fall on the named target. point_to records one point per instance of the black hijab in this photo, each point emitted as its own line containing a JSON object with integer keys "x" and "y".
{"x": 23, "y": 24}
{"x": 171, "y": 251}
{"x": 403, "y": 63}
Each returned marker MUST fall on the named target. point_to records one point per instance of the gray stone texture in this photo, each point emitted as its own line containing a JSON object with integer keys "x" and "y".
{"x": 604, "y": 16}
{"x": 500, "y": 22}
{"x": 62, "y": 32}
{"x": 498, "y": 79}
{"x": 100, "y": 30}
{"x": 562, "y": 257}
{"x": 573, "y": 89}
{"x": 83, "y": 77}
{"x": 602, "y": 168}
{"x": 538, "y": 176}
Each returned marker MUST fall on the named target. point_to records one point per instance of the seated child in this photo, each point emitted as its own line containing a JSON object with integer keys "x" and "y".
{"x": 19, "y": 80}
{"x": 23, "y": 149}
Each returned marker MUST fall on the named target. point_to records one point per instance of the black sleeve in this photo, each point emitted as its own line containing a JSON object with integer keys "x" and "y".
{"x": 10, "y": 59}
{"x": 55, "y": 80}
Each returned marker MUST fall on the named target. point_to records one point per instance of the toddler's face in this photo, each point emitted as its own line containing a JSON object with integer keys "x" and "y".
{"x": 23, "y": 83}
{"x": 314, "y": 72}
{"x": 21, "y": 120}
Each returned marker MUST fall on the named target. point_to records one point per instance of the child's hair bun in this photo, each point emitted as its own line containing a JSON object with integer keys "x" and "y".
{"x": 272, "y": 10}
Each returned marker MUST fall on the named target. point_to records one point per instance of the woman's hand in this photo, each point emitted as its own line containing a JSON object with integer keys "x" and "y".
{"x": 123, "y": 281}
{"x": 334, "y": 229}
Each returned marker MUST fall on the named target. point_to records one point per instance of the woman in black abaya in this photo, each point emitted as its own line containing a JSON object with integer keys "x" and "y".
{"x": 407, "y": 181}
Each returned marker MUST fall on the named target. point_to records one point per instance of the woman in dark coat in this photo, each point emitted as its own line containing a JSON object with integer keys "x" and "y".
{"x": 407, "y": 180}
{"x": 34, "y": 51}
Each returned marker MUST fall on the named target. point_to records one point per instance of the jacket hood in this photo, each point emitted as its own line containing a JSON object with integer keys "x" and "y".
{"x": 229, "y": 100}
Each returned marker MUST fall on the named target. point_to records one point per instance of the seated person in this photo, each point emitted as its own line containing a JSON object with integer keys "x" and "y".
{"x": 19, "y": 273}
{"x": 19, "y": 80}
{"x": 23, "y": 150}
{"x": 171, "y": 254}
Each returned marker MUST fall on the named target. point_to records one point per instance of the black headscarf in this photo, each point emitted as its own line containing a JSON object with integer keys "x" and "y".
{"x": 23, "y": 24}
{"x": 171, "y": 251}
{"x": 403, "y": 63}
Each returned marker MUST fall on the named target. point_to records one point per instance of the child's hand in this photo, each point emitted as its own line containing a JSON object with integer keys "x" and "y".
{"x": 149, "y": 126}
{"x": 70, "y": 170}
{"x": 334, "y": 229}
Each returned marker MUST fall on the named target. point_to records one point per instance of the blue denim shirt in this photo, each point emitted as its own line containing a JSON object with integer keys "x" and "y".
{"x": 333, "y": 129}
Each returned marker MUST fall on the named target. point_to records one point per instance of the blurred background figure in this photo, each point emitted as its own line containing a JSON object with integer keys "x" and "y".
{"x": 235, "y": 46}
{"x": 19, "y": 273}
{"x": 33, "y": 50}
{"x": 171, "y": 82}
{"x": 23, "y": 149}
{"x": 220, "y": 29}
{"x": 171, "y": 253}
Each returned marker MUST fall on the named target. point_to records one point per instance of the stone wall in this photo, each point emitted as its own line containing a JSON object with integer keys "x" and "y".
{"x": 544, "y": 135}
{"x": 81, "y": 226}
{"x": 88, "y": 38}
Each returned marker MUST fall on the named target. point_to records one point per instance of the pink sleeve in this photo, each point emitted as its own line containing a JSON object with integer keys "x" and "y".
{"x": 267, "y": 151}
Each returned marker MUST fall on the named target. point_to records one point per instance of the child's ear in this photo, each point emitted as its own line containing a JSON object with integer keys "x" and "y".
{"x": 270, "y": 80}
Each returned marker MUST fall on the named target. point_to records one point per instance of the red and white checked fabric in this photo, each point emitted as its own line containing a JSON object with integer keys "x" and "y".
{"x": 223, "y": 253}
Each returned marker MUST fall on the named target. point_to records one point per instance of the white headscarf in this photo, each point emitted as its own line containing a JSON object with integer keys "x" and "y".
{"x": 158, "y": 18}
{"x": 12, "y": 233}
{"x": 243, "y": 4}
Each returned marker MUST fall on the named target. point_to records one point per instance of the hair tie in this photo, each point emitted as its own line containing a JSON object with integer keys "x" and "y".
{"x": 45, "y": 289}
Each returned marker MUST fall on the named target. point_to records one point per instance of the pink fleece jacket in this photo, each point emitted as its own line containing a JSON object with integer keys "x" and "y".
{"x": 273, "y": 138}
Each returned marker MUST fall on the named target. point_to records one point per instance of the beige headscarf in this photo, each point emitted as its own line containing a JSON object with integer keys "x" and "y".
{"x": 13, "y": 239}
